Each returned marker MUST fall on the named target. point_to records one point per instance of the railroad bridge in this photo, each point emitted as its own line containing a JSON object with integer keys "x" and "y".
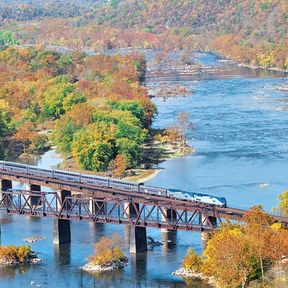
{"x": 86, "y": 202}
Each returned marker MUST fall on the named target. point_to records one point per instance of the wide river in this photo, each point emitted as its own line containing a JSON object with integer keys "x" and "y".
{"x": 241, "y": 145}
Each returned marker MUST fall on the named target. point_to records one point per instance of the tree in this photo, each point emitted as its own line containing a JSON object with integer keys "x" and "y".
{"x": 94, "y": 147}
{"x": 192, "y": 261}
{"x": 184, "y": 125}
{"x": 229, "y": 257}
{"x": 282, "y": 208}
{"x": 119, "y": 166}
{"x": 107, "y": 251}
{"x": 129, "y": 149}
{"x": 258, "y": 231}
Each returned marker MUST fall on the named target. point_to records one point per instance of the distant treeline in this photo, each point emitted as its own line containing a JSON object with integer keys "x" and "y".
{"x": 251, "y": 32}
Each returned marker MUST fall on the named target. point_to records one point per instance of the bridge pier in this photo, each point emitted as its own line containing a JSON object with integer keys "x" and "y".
{"x": 205, "y": 236}
{"x": 5, "y": 186}
{"x": 35, "y": 199}
{"x": 138, "y": 239}
{"x": 137, "y": 235}
{"x": 62, "y": 232}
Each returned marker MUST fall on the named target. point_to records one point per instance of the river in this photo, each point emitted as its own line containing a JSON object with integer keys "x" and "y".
{"x": 241, "y": 154}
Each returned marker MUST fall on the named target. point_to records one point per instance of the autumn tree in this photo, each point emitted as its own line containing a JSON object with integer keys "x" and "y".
{"x": 184, "y": 125}
{"x": 258, "y": 232}
{"x": 192, "y": 261}
{"x": 107, "y": 251}
{"x": 229, "y": 257}
{"x": 173, "y": 134}
{"x": 119, "y": 166}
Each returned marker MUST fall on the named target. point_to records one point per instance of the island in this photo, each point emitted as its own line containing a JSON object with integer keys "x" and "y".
{"x": 13, "y": 255}
{"x": 107, "y": 257}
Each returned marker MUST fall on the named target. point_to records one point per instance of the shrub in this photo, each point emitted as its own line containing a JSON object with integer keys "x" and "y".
{"x": 106, "y": 251}
{"x": 13, "y": 253}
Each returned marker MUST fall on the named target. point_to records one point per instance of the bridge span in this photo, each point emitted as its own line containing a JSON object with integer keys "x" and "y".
{"x": 89, "y": 202}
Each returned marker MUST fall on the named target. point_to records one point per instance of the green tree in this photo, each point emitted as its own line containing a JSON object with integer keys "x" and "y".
{"x": 94, "y": 147}
{"x": 63, "y": 134}
{"x": 59, "y": 98}
{"x": 130, "y": 149}
{"x": 129, "y": 105}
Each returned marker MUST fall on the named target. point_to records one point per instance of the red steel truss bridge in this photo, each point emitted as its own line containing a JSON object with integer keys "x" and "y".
{"x": 84, "y": 202}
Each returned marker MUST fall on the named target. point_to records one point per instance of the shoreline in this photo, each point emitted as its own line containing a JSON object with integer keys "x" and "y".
{"x": 109, "y": 267}
{"x": 187, "y": 274}
{"x": 250, "y": 66}
{"x": 144, "y": 176}
{"x": 140, "y": 174}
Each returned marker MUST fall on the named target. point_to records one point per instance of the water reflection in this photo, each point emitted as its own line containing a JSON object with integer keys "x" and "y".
{"x": 62, "y": 255}
{"x": 98, "y": 279}
{"x": 138, "y": 264}
{"x": 96, "y": 228}
{"x": 9, "y": 272}
{"x": 169, "y": 240}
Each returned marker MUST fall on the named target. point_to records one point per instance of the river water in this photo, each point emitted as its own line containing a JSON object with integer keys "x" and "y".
{"x": 241, "y": 154}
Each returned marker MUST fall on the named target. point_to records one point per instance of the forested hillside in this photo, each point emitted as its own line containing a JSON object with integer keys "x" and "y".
{"x": 252, "y": 32}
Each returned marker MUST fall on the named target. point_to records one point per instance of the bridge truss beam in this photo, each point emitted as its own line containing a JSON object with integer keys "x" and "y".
{"x": 112, "y": 209}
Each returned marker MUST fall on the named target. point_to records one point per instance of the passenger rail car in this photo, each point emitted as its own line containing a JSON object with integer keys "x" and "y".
{"x": 112, "y": 183}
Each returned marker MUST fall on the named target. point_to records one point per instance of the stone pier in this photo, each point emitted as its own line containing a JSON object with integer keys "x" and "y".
{"x": 62, "y": 233}
{"x": 137, "y": 235}
{"x": 35, "y": 199}
{"x": 205, "y": 236}
{"x": 6, "y": 185}
{"x": 138, "y": 240}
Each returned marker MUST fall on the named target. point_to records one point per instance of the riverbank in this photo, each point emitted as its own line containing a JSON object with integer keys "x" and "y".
{"x": 154, "y": 152}
{"x": 250, "y": 66}
{"x": 188, "y": 274}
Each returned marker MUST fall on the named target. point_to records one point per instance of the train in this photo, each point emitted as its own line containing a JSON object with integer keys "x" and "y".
{"x": 109, "y": 182}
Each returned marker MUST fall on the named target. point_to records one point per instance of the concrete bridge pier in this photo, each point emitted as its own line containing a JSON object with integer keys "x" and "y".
{"x": 5, "y": 186}
{"x": 35, "y": 199}
{"x": 138, "y": 239}
{"x": 137, "y": 235}
{"x": 205, "y": 236}
{"x": 62, "y": 232}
